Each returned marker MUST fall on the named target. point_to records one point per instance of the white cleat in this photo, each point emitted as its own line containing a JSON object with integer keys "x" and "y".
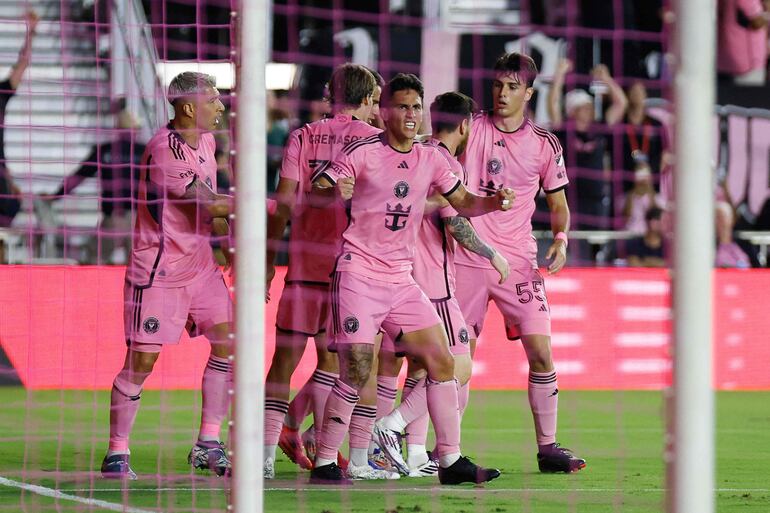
{"x": 390, "y": 443}
{"x": 269, "y": 468}
{"x": 427, "y": 469}
{"x": 365, "y": 472}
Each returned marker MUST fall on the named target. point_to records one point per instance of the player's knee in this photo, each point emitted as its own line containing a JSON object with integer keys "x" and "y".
{"x": 328, "y": 362}
{"x": 463, "y": 369}
{"x": 356, "y": 365}
{"x": 441, "y": 367}
{"x": 142, "y": 362}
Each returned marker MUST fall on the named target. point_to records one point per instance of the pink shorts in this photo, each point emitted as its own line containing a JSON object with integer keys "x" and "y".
{"x": 303, "y": 308}
{"x": 361, "y": 306}
{"x": 155, "y": 316}
{"x": 454, "y": 325}
{"x": 521, "y": 300}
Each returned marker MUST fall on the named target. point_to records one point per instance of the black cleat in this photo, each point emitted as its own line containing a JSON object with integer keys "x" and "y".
{"x": 329, "y": 474}
{"x": 559, "y": 459}
{"x": 117, "y": 467}
{"x": 465, "y": 471}
{"x": 210, "y": 456}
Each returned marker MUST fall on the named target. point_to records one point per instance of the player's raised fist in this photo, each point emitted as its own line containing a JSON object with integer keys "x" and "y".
{"x": 505, "y": 197}
{"x": 345, "y": 186}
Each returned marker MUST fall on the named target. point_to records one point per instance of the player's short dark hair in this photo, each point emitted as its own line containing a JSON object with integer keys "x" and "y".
{"x": 350, "y": 84}
{"x": 403, "y": 82}
{"x": 448, "y": 110}
{"x": 377, "y": 77}
{"x": 519, "y": 64}
{"x": 653, "y": 213}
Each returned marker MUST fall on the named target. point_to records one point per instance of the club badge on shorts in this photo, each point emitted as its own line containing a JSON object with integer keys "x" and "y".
{"x": 350, "y": 325}
{"x": 151, "y": 325}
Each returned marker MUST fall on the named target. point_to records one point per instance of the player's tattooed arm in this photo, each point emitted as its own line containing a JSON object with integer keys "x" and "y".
{"x": 217, "y": 205}
{"x": 463, "y": 232}
{"x": 470, "y": 205}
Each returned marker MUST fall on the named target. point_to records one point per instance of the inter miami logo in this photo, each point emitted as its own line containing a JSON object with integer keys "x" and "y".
{"x": 350, "y": 325}
{"x": 151, "y": 325}
{"x": 464, "y": 336}
{"x": 401, "y": 189}
{"x": 494, "y": 166}
{"x": 489, "y": 188}
{"x": 396, "y": 217}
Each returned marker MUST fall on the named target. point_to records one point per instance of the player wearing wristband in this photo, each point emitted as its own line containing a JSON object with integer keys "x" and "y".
{"x": 506, "y": 149}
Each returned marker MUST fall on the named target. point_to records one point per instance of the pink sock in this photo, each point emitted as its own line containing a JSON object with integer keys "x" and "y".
{"x": 444, "y": 413}
{"x": 544, "y": 400}
{"x": 275, "y": 411}
{"x": 124, "y": 403}
{"x": 415, "y": 404}
{"x": 409, "y": 385}
{"x": 336, "y": 419}
{"x": 386, "y": 394}
{"x": 322, "y": 383}
{"x": 217, "y": 380}
{"x": 299, "y": 407}
{"x": 362, "y": 426}
{"x": 463, "y": 394}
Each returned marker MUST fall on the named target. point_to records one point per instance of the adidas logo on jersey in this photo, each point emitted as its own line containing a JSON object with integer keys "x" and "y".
{"x": 200, "y": 159}
{"x": 543, "y": 308}
{"x": 403, "y": 165}
{"x": 500, "y": 143}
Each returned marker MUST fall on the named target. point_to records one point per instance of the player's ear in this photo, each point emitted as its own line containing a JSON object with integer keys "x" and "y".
{"x": 189, "y": 109}
{"x": 464, "y": 125}
{"x": 529, "y": 93}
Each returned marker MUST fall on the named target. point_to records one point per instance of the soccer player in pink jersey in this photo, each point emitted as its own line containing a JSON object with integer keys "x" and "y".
{"x": 506, "y": 149}
{"x": 372, "y": 286}
{"x": 313, "y": 246}
{"x": 434, "y": 271}
{"x": 172, "y": 275}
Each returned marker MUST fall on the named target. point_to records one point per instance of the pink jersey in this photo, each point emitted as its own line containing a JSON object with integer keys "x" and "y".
{"x": 434, "y": 261}
{"x": 171, "y": 244}
{"x": 740, "y": 49}
{"x": 388, "y": 204}
{"x": 524, "y": 160}
{"x": 315, "y": 232}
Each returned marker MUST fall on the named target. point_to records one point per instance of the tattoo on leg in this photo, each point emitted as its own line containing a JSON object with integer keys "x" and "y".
{"x": 359, "y": 364}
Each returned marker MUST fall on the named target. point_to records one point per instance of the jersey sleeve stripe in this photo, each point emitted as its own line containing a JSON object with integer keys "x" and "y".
{"x": 553, "y": 191}
{"x": 350, "y": 147}
{"x": 552, "y": 139}
{"x": 453, "y": 189}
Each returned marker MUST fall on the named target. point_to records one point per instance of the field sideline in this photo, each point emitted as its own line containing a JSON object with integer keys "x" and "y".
{"x": 619, "y": 433}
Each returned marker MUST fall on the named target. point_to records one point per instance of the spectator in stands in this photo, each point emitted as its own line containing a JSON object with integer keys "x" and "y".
{"x": 640, "y": 199}
{"x": 643, "y": 135}
{"x": 10, "y": 194}
{"x": 647, "y": 250}
{"x": 728, "y": 254}
{"x": 585, "y": 142}
{"x": 114, "y": 164}
{"x": 742, "y": 41}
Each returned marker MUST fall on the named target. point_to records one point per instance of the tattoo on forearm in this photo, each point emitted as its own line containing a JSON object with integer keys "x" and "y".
{"x": 462, "y": 231}
{"x": 199, "y": 191}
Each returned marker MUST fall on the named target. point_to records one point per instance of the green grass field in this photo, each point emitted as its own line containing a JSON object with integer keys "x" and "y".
{"x": 57, "y": 439}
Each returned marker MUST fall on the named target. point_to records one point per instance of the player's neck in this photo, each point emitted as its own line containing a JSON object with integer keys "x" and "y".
{"x": 447, "y": 141}
{"x": 397, "y": 143}
{"x": 635, "y": 115}
{"x": 359, "y": 113}
{"x": 510, "y": 123}
{"x": 190, "y": 134}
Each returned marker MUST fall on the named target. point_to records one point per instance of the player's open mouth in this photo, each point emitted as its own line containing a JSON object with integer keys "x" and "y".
{"x": 410, "y": 125}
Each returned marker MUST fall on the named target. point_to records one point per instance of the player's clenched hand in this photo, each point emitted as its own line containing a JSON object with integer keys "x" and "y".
{"x": 501, "y": 266}
{"x": 505, "y": 198}
{"x": 345, "y": 187}
{"x": 557, "y": 251}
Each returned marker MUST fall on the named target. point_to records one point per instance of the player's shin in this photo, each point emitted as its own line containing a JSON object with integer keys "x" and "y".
{"x": 217, "y": 382}
{"x": 339, "y": 408}
{"x": 124, "y": 404}
{"x": 443, "y": 406}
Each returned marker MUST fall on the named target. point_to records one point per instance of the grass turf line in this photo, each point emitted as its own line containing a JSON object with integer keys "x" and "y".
{"x": 619, "y": 433}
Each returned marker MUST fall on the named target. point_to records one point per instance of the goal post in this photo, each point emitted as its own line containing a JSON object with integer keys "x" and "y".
{"x": 250, "y": 212}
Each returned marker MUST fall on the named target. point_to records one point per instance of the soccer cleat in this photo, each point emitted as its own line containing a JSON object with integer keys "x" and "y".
{"x": 465, "y": 471}
{"x": 427, "y": 469}
{"x": 342, "y": 461}
{"x": 329, "y": 474}
{"x": 210, "y": 456}
{"x": 559, "y": 459}
{"x": 365, "y": 472}
{"x": 117, "y": 467}
{"x": 291, "y": 445}
{"x": 378, "y": 460}
{"x": 390, "y": 443}
{"x": 308, "y": 440}
{"x": 269, "y": 472}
